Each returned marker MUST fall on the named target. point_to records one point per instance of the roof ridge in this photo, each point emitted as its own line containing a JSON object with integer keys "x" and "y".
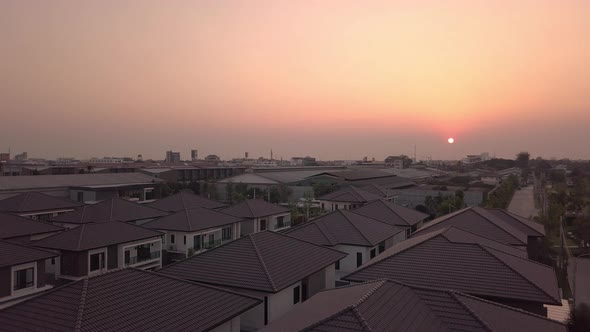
{"x": 80, "y": 236}
{"x": 378, "y": 284}
{"x": 23, "y": 200}
{"x": 31, "y": 246}
{"x": 380, "y": 221}
{"x": 249, "y": 207}
{"x": 327, "y": 236}
{"x": 505, "y": 227}
{"x": 309, "y": 242}
{"x": 392, "y": 210}
{"x": 81, "y": 306}
{"x": 112, "y": 208}
{"x": 517, "y": 272}
{"x": 362, "y": 320}
{"x": 264, "y": 268}
{"x": 336, "y": 314}
{"x": 449, "y": 228}
{"x": 443, "y": 218}
{"x": 355, "y": 227}
{"x": 190, "y": 225}
{"x": 461, "y": 303}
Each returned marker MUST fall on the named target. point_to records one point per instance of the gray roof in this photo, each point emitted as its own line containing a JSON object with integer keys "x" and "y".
{"x": 15, "y": 254}
{"x": 184, "y": 200}
{"x": 274, "y": 177}
{"x": 357, "y": 174}
{"x": 110, "y": 209}
{"x": 391, "y": 213}
{"x": 96, "y": 235}
{"x": 71, "y": 180}
{"x": 350, "y": 194}
{"x": 127, "y": 300}
{"x": 12, "y": 226}
{"x": 345, "y": 227}
{"x": 34, "y": 202}
{"x": 254, "y": 208}
{"x": 456, "y": 259}
{"x": 190, "y": 220}
{"x": 386, "y": 305}
{"x": 482, "y": 222}
{"x": 265, "y": 261}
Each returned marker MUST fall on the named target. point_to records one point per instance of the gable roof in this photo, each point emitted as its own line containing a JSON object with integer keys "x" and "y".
{"x": 35, "y": 201}
{"x": 345, "y": 227}
{"x": 15, "y": 254}
{"x": 12, "y": 226}
{"x": 391, "y": 213}
{"x": 96, "y": 235}
{"x": 456, "y": 259}
{"x": 387, "y": 305}
{"x": 184, "y": 200}
{"x": 254, "y": 208}
{"x": 127, "y": 300}
{"x": 480, "y": 221}
{"x": 190, "y": 220}
{"x": 265, "y": 261}
{"x": 526, "y": 226}
{"x": 110, "y": 209}
{"x": 350, "y": 194}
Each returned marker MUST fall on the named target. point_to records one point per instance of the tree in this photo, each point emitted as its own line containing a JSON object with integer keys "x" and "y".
{"x": 323, "y": 188}
{"x": 581, "y": 230}
{"x": 229, "y": 191}
{"x": 195, "y": 187}
{"x": 522, "y": 159}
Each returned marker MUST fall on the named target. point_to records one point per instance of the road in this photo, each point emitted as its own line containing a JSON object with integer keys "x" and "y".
{"x": 582, "y": 280}
{"x": 523, "y": 203}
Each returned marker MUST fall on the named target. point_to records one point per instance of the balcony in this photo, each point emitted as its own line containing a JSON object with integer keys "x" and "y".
{"x": 212, "y": 244}
{"x": 138, "y": 260}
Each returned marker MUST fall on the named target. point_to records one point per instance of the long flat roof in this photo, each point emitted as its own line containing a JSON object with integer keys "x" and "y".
{"x": 73, "y": 180}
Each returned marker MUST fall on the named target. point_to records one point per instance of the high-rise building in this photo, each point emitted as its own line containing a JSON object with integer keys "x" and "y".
{"x": 21, "y": 157}
{"x": 194, "y": 155}
{"x": 172, "y": 157}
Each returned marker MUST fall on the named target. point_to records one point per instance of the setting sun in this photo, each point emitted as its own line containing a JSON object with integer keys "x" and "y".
{"x": 451, "y": 140}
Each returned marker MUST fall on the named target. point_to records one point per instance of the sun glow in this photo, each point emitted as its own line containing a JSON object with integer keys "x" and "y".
{"x": 451, "y": 140}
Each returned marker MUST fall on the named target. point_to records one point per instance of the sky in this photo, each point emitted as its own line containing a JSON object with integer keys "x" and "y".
{"x": 334, "y": 79}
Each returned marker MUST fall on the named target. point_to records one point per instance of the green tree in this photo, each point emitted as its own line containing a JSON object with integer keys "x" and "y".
{"x": 323, "y": 188}
{"x": 229, "y": 191}
{"x": 522, "y": 159}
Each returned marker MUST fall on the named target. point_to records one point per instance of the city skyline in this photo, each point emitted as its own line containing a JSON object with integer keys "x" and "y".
{"x": 330, "y": 79}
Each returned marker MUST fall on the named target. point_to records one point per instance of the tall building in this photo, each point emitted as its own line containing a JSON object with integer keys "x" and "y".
{"x": 5, "y": 156}
{"x": 21, "y": 157}
{"x": 172, "y": 157}
{"x": 194, "y": 155}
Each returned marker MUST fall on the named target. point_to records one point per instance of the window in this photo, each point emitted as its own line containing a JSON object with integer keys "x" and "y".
{"x": 97, "y": 261}
{"x": 373, "y": 253}
{"x": 127, "y": 257}
{"x": 280, "y": 222}
{"x": 296, "y": 295}
{"x": 52, "y": 260}
{"x": 381, "y": 247}
{"x": 172, "y": 239}
{"x": 184, "y": 240}
{"x": 336, "y": 208}
{"x": 262, "y": 225}
{"x": 337, "y": 265}
{"x": 24, "y": 278}
{"x": 80, "y": 196}
{"x": 359, "y": 259}
{"x": 226, "y": 233}
{"x": 211, "y": 239}
{"x": 323, "y": 207}
{"x": 197, "y": 242}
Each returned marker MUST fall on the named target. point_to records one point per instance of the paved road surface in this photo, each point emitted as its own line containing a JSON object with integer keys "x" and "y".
{"x": 523, "y": 203}
{"x": 582, "y": 280}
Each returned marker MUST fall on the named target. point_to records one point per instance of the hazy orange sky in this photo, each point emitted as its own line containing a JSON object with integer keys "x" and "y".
{"x": 332, "y": 79}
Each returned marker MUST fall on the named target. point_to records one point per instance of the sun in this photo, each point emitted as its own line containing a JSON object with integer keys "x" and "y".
{"x": 451, "y": 140}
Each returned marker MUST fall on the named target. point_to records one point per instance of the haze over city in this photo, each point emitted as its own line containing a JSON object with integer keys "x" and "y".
{"x": 332, "y": 79}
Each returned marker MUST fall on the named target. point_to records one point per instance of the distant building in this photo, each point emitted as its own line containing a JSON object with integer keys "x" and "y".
{"x": 212, "y": 158}
{"x": 5, "y": 156}
{"x": 194, "y": 155}
{"x": 172, "y": 157}
{"x": 108, "y": 160}
{"x": 396, "y": 162}
{"x": 21, "y": 157}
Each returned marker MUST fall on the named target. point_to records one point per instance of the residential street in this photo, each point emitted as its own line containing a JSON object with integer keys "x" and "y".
{"x": 523, "y": 203}
{"x": 582, "y": 278}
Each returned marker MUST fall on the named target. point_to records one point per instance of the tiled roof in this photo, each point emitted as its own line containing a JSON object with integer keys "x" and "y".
{"x": 127, "y": 300}
{"x": 345, "y": 227}
{"x": 35, "y": 201}
{"x": 265, "y": 261}
{"x": 184, "y": 200}
{"x": 110, "y": 209}
{"x": 386, "y": 305}
{"x": 479, "y": 221}
{"x": 12, "y": 226}
{"x": 254, "y": 208}
{"x": 14, "y": 254}
{"x": 456, "y": 259}
{"x": 192, "y": 220}
{"x": 391, "y": 213}
{"x": 349, "y": 194}
{"x": 96, "y": 235}
{"x": 529, "y": 227}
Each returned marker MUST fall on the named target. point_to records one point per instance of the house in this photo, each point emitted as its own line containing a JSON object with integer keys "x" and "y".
{"x": 452, "y": 258}
{"x": 192, "y": 231}
{"x": 129, "y": 300}
{"x": 384, "y": 193}
{"x": 22, "y": 271}
{"x": 259, "y": 216}
{"x": 37, "y": 205}
{"x": 387, "y": 305}
{"x": 348, "y": 198}
{"x": 486, "y": 223}
{"x": 393, "y": 214}
{"x": 362, "y": 238}
{"x": 95, "y": 248}
{"x": 396, "y": 162}
{"x": 490, "y": 178}
{"x": 279, "y": 269}
{"x": 184, "y": 200}
{"x": 110, "y": 209}
{"x": 20, "y": 229}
